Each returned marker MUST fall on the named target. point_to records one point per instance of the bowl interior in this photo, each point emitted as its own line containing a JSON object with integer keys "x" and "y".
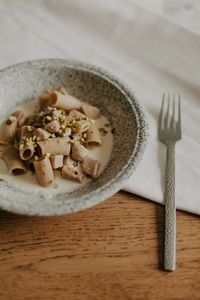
{"x": 26, "y": 81}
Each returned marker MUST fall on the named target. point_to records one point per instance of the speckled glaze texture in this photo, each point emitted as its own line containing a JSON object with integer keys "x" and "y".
{"x": 23, "y": 82}
{"x": 170, "y": 210}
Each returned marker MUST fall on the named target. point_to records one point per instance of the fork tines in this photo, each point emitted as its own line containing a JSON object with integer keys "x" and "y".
{"x": 170, "y": 118}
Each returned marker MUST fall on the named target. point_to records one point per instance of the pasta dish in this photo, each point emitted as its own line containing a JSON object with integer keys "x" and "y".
{"x": 58, "y": 135}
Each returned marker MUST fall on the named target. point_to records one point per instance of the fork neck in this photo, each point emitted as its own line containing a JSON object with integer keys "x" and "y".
{"x": 170, "y": 144}
{"x": 170, "y": 152}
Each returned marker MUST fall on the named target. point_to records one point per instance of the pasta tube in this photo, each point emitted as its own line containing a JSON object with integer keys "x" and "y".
{"x": 90, "y": 111}
{"x": 20, "y": 115}
{"x": 44, "y": 100}
{"x": 41, "y": 134}
{"x": 77, "y": 114}
{"x": 8, "y": 130}
{"x": 54, "y": 146}
{"x": 66, "y": 102}
{"x": 44, "y": 171}
{"x": 84, "y": 125}
{"x": 93, "y": 135}
{"x": 26, "y": 148}
{"x": 14, "y": 164}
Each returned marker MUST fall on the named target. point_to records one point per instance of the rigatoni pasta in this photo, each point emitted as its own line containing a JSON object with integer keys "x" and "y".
{"x": 90, "y": 111}
{"x": 93, "y": 135}
{"x": 20, "y": 115}
{"x": 27, "y": 144}
{"x": 41, "y": 134}
{"x": 53, "y": 146}
{"x": 58, "y": 135}
{"x": 44, "y": 171}
{"x": 8, "y": 130}
{"x": 13, "y": 162}
{"x": 64, "y": 101}
{"x": 44, "y": 100}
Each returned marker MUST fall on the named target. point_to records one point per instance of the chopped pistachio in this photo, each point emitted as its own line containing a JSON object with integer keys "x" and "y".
{"x": 29, "y": 128}
{"x": 71, "y": 142}
{"x": 103, "y": 131}
{"x": 76, "y": 127}
{"x": 41, "y": 195}
{"x": 82, "y": 140}
{"x": 21, "y": 145}
{"x": 49, "y": 118}
{"x": 55, "y": 185}
{"x": 12, "y": 118}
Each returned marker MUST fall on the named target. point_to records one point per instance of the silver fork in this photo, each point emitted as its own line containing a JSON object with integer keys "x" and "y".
{"x": 169, "y": 133}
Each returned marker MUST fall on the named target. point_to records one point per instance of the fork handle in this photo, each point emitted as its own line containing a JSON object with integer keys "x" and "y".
{"x": 170, "y": 210}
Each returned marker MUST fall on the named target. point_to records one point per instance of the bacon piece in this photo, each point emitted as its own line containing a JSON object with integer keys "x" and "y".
{"x": 67, "y": 132}
{"x": 52, "y": 126}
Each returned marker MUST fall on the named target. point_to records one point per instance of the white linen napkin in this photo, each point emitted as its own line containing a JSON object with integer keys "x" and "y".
{"x": 149, "y": 53}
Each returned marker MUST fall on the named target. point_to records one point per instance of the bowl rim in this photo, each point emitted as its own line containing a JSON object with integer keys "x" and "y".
{"x": 113, "y": 185}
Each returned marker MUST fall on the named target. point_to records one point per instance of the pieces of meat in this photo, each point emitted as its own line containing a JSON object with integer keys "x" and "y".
{"x": 52, "y": 126}
{"x": 72, "y": 173}
{"x": 56, "y": 161}
{"x": 67, "y": 132}
{"x": 90, "y": 166}
{"x": 78, "y": 152}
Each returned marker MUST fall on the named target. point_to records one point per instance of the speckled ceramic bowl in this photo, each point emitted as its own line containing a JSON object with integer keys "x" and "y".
{"x": 96, "y": 86}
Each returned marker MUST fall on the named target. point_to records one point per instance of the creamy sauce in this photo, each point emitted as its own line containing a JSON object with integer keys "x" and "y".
{"x": 28, "y": 181}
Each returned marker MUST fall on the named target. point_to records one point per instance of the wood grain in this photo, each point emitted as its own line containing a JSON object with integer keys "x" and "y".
{"x": 112, "y": 251}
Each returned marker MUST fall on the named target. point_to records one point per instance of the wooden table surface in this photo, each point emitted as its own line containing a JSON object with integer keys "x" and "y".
{"x": 111, "y": 251}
